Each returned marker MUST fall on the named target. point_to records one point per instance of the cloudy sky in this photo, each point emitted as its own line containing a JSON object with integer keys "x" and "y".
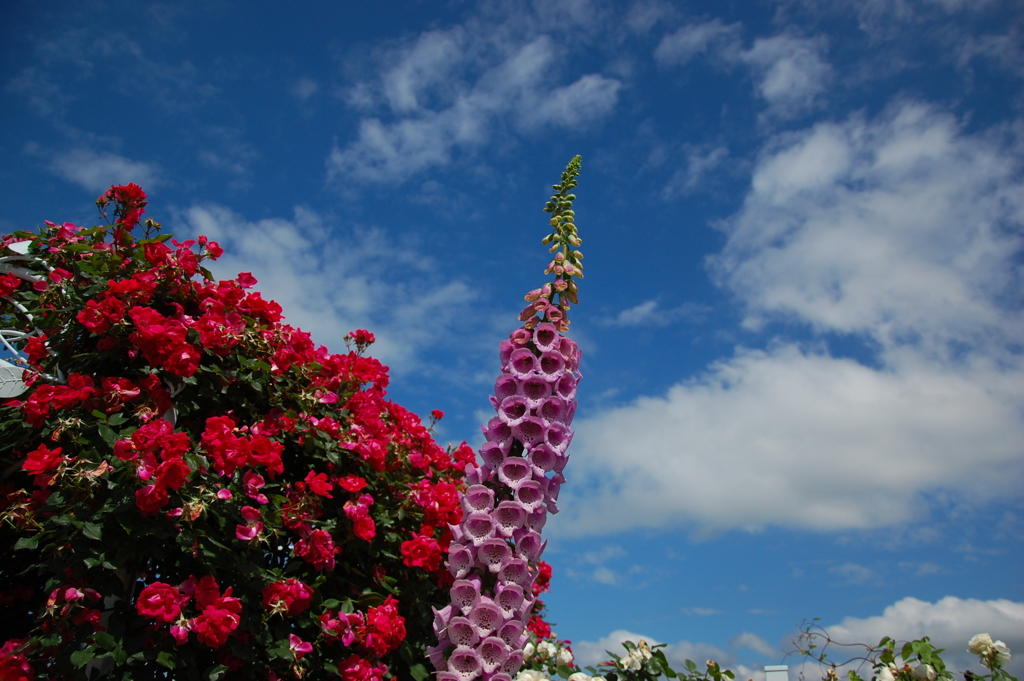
{"x": 802, "y": 320}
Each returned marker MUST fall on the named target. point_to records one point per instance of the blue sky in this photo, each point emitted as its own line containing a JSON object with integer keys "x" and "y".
{"x": 802, "y": 317}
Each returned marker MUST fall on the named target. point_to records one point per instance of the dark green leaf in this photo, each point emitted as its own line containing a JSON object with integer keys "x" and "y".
{"x": 419, "y": 672}
{"x": 92, "y": 531}
{"x": 104, "y": 640}
{"x": 26, "y": 543}
{"x": 166, "y": 659}
{"x": 108, "y": 435}
{"x": 80, "y": 658}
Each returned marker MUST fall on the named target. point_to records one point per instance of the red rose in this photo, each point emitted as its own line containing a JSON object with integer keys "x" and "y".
{"x": 42, "y": 459}
{"x": 318, "y": 549}
{"x": 356, "y": 668}
{"x": 151, "y": 499}
{"x": 290, "y": 595}
{"x": 422, "y": 551}
{"x": 159, "y": 601}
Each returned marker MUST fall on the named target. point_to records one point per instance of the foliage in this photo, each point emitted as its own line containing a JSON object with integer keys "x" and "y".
{"x": 891, "y": 660}
{"x": 190, "y": 488}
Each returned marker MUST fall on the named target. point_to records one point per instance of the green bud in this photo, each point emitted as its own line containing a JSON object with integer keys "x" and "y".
{"x": 570, "y": 197}
{"x": 546, "y": 240}
{"x": 577, "y": 255}
{"x": 554, "y": 222}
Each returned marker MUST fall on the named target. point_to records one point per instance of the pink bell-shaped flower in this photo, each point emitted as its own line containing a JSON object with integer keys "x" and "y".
{"x": 494, "y": 553}
{"x": 510, "y": 632}
{"x": 565, "y": 386}
{"x": 546, "y": 337}
{"x": 478, "y": 498}
{"x": 514, "y": 470}
{"x": 534, "y": 389}
{"x": 559, "y": 436}
{"x": 510, "y": 516}
{"x": 513, "y": 663}
{"x": 530, "y": 431}
{"x": 498, "y": 431}
{"x": 464, "y": 662}
{"x": 552, "y": 365}
{"x": 523, "y": 363}
{"x": 465, "y": 593}
{"x": 441, "y": 618}
{"x": 529, "y": 496}
{"x": 505, "y": 386}
{"x": 516, "y": 571}
{"x": 485, "y": 617}
{"x": 460, "y": 560}
{"x": 543, "y": 459}
{"x": 478, "y": 526}
{"x": 509, "y": 598}
{"x": 492, "y": 454}
{"x": 529, "y": 546}
{"x": 552, "y": 409}
{"x": 513, "y": 410}
{"x": 500, "y": 676}
{"x": 461, "y": 632}
{"x": 491, "y": 652}
{"x": 537, "y": 519}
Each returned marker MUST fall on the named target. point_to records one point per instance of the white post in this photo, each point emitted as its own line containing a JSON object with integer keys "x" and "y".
{"x": 776, "y": 672}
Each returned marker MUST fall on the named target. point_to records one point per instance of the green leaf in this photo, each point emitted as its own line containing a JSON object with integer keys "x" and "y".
{"x": 419, "y": 672}
{"x": 104, "y": 640}
{"x": 92, "y": 531}
{"x": 108, "y": 435}
{"x": 26, "y": 543}
{"x": 331, "y": 603}
{"x": 166, "y": 659}
{"x": 80, "y": 658}
{"x": 217, "y": 672}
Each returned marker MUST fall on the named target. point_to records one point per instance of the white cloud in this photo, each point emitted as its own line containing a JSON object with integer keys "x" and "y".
{"x": 686, "y": 43}
{"x": 650, "y": 313}
{"x": 792, "y": 72}
{"x": 949, "y": 623}
{"x": 451, "y": 91}
{"x": 304, "y": 88}
{"x": 96, "y": 171}
{"x": 330, "y": 282}
{"x": 753, "y": 642}
{"x": 902, "y": 233}
{"x": 699, "y": 163}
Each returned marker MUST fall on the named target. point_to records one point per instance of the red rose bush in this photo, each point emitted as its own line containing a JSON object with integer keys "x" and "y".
{"x": 191, "y": 488}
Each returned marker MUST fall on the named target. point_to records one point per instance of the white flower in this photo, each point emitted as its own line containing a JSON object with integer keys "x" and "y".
{"x": 564, "y": 656}
{"x": 924, "y": 672}
{"x": 531, "y": 675}
{"x": 528, "y": 651}
{"x": 644, "y": 649}
{"x": 979, "y": 644}
{"x": 546, "y": 649}
{"x": 885, "y": 674}
{"x": 580, "y": 676}
{"x": 1001, "y": 653}
{"x": 633, "y": 661}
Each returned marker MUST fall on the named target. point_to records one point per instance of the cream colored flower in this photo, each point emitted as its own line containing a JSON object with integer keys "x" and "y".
{"x": 979, "y": 644}
{"x": 924, "y": 672}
